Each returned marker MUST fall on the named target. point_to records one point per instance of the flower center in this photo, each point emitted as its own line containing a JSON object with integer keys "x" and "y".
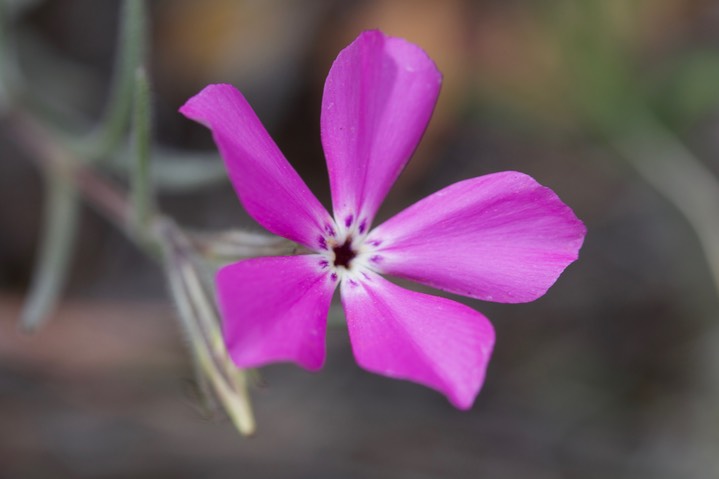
{"x": 344, "y": 254}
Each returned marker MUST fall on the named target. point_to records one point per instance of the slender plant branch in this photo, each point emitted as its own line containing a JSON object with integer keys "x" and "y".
{"x": 141, "y": 184}
{"x": 131, "y": 56}
{"x": 72, "y": 171}
{"x": 50, "y": 154}
{"x": 112, "y": 201}
{"x": 668, "y": 165}
{"x": 180, "y": 256}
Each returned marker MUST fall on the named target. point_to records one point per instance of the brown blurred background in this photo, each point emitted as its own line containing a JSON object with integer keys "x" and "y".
{"x": 614, "y": 373}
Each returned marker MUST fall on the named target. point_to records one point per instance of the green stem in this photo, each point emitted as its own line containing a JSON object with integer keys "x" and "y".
{"x": 50, "y": 154}
{"x": 666, "y": 164}
{"x": 141, "y": 184}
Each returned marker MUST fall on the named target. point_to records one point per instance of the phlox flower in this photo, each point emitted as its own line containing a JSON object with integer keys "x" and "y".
{"x": 500, "y": 237}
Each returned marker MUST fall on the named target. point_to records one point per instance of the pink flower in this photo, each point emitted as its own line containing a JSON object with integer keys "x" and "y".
{"x": 500, "y": 237}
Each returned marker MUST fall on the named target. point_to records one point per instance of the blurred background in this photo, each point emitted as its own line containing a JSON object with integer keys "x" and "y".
{"x": 614, "y": 373}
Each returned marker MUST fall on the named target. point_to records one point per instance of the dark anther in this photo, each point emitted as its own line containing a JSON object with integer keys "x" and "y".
{"x": 344, "y": 254}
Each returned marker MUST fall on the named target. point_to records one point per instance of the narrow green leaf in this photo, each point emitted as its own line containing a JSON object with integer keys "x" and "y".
{"x": 132, "y": 50}
{"x": 666, "y": 164}
{"x": 177, "y": 171}
{"x": 57, "y": 238}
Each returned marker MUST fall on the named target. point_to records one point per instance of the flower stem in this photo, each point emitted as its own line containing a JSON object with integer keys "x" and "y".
{"x": 195, "y": 303}
{"x": 202, "y": 324}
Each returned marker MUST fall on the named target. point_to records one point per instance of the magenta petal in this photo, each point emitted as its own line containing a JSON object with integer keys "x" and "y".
{"x": 378, "y": 98}
{"x": 500, "y": 237}
{"x": 269, "y": 188}
{"x": 426, "y": 339}
{"x": 275, "y": 309}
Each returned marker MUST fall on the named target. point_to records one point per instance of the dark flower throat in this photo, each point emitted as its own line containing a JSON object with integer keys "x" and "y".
{"x": 344, "y": 254}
